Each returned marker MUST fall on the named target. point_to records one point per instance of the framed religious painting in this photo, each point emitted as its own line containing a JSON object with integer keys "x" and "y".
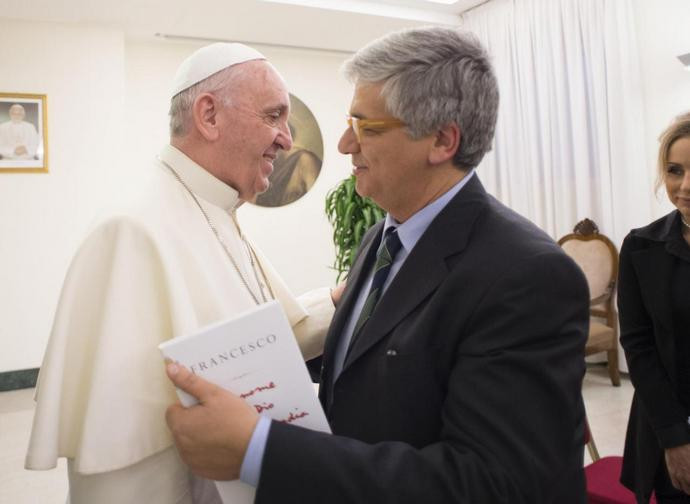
{"x": 295, "y": 171}
{"x": 23, "y": 133}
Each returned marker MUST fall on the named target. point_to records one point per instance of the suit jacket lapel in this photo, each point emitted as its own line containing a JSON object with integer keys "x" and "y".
{"x": 355, "y": 278}
{"x": 425, "y": 268}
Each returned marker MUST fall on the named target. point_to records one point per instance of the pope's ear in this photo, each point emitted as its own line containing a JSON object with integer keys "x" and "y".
{"x": 446, "y": 143}
{"x": 205, "y": 115}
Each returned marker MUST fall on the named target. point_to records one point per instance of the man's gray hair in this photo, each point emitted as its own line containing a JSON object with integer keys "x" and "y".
{"x": 434, "y": 76}
{"x": 181, "y": 104}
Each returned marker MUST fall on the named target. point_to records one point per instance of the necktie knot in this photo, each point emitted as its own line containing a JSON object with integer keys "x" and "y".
{"x": 390, "y": 245}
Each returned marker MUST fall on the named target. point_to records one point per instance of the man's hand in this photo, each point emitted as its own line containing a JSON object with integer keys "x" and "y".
{"x": 212, "y": 437}
{"x": 678, "y": 464}
{"x": 20, "y": 150}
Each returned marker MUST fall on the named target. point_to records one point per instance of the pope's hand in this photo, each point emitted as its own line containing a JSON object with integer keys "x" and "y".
{"x": 337, "y": 292}
{"x": 678, "y": 464}
{"x": 212, "y": 436}
{"x": 20, "y": 150}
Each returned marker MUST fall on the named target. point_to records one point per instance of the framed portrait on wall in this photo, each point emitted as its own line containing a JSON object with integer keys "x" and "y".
{"x": 23, "y": 133}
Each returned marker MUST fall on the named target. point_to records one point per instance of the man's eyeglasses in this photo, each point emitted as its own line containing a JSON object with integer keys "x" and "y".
{"x": 363, "y": 125}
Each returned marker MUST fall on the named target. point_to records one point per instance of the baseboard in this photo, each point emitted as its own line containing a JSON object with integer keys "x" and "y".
{"x": 20, "y": 379}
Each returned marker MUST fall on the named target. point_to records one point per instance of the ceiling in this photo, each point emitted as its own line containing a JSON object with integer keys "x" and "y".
{"x": 344, "y": 25}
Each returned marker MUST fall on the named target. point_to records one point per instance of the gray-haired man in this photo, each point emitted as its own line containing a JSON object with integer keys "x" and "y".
{"x": 453, "y": 365}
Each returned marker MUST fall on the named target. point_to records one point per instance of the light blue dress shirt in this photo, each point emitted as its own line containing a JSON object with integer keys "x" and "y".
{"x": 409, "y": 232}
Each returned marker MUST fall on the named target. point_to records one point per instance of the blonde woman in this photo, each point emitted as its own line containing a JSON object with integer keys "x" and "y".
{"x": 654, "y": 307}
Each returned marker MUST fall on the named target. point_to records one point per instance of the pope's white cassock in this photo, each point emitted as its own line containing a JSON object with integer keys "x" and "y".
{"x": 154, "y": 272}
{"x": 14, "y": 134}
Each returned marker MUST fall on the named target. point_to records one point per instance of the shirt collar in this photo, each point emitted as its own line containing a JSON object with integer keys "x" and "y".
{"x": 413, "y": 228}
{"x": 200, "y": 181}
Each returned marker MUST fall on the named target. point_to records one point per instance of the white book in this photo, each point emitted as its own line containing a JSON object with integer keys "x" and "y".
{"x": 254, "y": 355}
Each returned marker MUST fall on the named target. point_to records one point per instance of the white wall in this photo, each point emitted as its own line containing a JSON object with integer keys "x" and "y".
{"x": 43, "y": 216}
{"x": 663, "y": 34}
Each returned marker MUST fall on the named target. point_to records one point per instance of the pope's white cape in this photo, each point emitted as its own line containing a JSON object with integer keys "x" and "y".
{"x": 254, "y": 355}
{"x": 152, "y": 272}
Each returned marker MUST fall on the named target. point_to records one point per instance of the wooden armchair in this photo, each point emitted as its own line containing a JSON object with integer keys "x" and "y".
{"x": 597, "y": 256}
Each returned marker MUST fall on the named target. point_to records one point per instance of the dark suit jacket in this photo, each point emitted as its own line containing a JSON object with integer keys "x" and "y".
{"x": 657, "y": 419}
{"x": 464, "y": 386}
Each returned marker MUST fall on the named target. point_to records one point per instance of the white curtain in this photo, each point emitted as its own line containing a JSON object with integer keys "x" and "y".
{"x": 570, "y": 135}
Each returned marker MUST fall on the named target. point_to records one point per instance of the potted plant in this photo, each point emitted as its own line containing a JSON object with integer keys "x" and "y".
{"x": 351, "y": 216}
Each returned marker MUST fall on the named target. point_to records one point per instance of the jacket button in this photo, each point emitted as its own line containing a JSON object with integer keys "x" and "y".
{"x": 391, "y": 353}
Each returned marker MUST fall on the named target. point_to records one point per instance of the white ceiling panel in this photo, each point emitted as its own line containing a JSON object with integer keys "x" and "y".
{"x": 340, "y": 25}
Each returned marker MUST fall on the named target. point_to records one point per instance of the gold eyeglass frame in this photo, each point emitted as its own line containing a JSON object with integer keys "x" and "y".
{"x": 358, "y": 125}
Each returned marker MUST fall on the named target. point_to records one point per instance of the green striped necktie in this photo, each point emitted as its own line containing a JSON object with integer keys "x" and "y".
{"x": 384, "y": 260}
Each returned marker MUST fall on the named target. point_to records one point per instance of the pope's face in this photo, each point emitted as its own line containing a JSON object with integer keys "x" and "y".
{"x": 255, "y": 128}
{"x": 17, "y": 113}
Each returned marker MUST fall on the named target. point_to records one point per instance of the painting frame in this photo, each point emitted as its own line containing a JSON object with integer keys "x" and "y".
{"x": 23, "y": 120}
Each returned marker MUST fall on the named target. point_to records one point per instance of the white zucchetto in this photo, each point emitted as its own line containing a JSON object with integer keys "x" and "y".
{"x": 210, "y": 60}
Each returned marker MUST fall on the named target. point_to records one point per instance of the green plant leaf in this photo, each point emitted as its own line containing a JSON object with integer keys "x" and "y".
{"x": 351, "y": 216}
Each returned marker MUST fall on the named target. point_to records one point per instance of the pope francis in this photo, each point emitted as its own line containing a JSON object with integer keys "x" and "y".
{"x": 172, "y": 260}
{"x": 18, "y": 138}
